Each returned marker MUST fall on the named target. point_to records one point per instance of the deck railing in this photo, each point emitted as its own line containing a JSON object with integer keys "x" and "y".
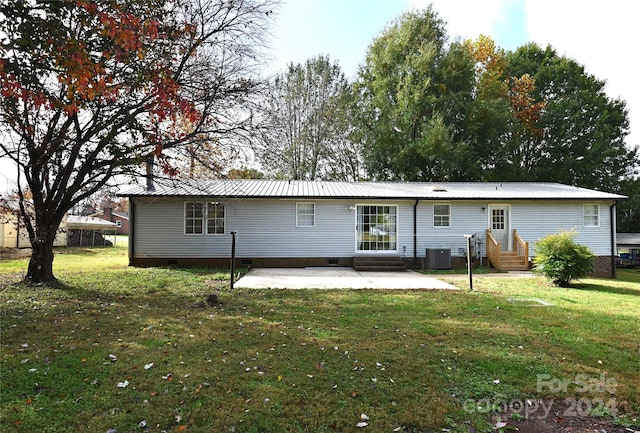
{"x": 521, "y": 248}
{"x": 493, "y": 250}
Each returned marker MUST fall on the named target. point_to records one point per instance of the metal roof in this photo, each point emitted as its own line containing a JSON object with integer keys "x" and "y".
{"x": 241, "y": 188}
{"x": 632, "y": 239}
{"x": 81, "y": 222}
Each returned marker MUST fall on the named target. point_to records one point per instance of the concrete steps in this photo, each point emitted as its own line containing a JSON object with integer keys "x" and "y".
{"x": 378, "y": 264}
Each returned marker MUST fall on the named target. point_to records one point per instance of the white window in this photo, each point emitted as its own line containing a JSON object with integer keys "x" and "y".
{"x": 591, "y": 215}
{"x": 118, "y": 223}
{"x": 441, "y": 215}
{"x": 305, "y": 214}
{"x": 193, "y": 218}
{"x": 498, "y": 218}
{"x": 197, "y": 213}
{"x": 215, "y": 218}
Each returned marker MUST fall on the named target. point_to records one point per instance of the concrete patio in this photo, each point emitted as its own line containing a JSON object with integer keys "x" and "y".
{"x": 337, "y": 278}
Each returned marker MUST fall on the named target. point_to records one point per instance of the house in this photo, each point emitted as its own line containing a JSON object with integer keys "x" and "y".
{"x": 89, "y": 231}
{"x": 628, "y": 249}
{"x": 13, "y": 234}
{"x": 121, "y": 219}
{"x": 321, "y": 223}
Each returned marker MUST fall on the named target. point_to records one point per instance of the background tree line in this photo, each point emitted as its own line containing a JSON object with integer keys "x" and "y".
{"x": 424, "y": 108}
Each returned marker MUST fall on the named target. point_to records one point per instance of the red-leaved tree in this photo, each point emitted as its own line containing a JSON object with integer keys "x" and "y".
{"x": 90, "y": 89}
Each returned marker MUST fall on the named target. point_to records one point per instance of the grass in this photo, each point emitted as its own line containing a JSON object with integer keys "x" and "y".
{"x": 459, "y": 271}
{"x": 299, "y": 360}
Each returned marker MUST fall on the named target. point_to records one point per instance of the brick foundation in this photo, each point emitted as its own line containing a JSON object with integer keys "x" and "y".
{"x": 224, "y": 262}
{"x": 601, "y": 264}
{"x": 602, "y": 267}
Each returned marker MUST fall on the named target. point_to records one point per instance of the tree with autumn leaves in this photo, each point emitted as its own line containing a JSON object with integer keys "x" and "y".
{"x": 92, "y": 89}
{"x": 431, "y": 109}
{"x": 503, "y": 118}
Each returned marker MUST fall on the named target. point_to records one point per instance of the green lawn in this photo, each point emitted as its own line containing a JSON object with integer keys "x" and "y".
{"x": 133, "y": 349}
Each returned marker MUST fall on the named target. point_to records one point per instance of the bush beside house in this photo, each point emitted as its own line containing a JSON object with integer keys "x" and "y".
{"x": 561, "y": 260}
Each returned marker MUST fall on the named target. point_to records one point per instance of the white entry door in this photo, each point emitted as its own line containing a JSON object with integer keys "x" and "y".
{"x": 500, "y": 225}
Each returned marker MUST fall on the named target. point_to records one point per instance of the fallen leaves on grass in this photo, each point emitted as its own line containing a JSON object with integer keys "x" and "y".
{"x": 363, "y": 421}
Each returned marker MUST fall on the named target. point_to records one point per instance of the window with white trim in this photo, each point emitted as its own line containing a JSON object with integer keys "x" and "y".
{"x": 204, "y": 218}
{"x": 215, "y": 218}
{"x": 591, "y": 215}
{"x": 305, "y": 214}
{"x": 118, "y": 223}
{"x": 441, "y": 215}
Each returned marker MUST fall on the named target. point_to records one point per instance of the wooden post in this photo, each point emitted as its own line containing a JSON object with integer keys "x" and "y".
{"x": 469, "y": 261}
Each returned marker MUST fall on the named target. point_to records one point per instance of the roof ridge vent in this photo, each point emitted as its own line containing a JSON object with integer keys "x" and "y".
{"x": 438, "y": 188}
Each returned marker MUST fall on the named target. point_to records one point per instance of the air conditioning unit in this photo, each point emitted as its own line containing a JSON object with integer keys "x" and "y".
{"x": 438, "y": 258}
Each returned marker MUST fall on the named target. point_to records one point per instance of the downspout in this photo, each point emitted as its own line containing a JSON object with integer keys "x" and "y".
{"x": 149, "y": 175}
{"x": 612, "y": 222}
{"x": 132, "y": 232}
{"x": 415, "y": 235}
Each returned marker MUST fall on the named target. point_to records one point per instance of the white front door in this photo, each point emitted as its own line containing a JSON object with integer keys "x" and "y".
{"x": 499, "y": 224}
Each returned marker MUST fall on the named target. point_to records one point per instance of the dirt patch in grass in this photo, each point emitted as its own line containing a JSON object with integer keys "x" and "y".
{"x": 559, "y": 416}
{"x": 569, "y": 424}
{"x": 14, "y": 253}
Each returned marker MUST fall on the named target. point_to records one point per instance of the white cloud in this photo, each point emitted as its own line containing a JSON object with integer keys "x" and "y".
{"x": 467, "y": 19}
{"x": 599, "y": 35}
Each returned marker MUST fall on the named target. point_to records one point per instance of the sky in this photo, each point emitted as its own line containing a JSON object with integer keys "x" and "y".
{"x": 601, "y": 35}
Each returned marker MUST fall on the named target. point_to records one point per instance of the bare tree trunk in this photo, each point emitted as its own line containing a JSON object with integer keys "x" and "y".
{"x": 42, "y": 229}
{"x": 41, "y": 263}
{"x": 40, "y": 268}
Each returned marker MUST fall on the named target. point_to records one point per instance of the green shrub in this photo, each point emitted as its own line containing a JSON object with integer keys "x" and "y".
{"x": 561, "y": 260}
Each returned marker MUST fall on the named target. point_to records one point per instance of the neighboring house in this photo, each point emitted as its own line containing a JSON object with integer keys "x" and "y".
{"x": 628, "y": 249}
{"x": 121, "y": 219}
{"x": 306, "y": 223}
{"x": 13, "y": 234}
{"x": 88, "y": 231}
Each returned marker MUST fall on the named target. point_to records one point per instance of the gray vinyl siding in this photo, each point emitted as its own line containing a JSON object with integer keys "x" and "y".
{"x": 267, "y": 227}
{"x": 465, "y": 219}
{"x": 534, "y": 221}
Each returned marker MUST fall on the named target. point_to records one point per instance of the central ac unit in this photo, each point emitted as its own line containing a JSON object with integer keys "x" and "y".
{"x": 438, "y": 258}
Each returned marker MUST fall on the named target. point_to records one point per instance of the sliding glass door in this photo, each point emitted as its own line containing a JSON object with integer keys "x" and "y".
{"x": 377, "y": 228}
